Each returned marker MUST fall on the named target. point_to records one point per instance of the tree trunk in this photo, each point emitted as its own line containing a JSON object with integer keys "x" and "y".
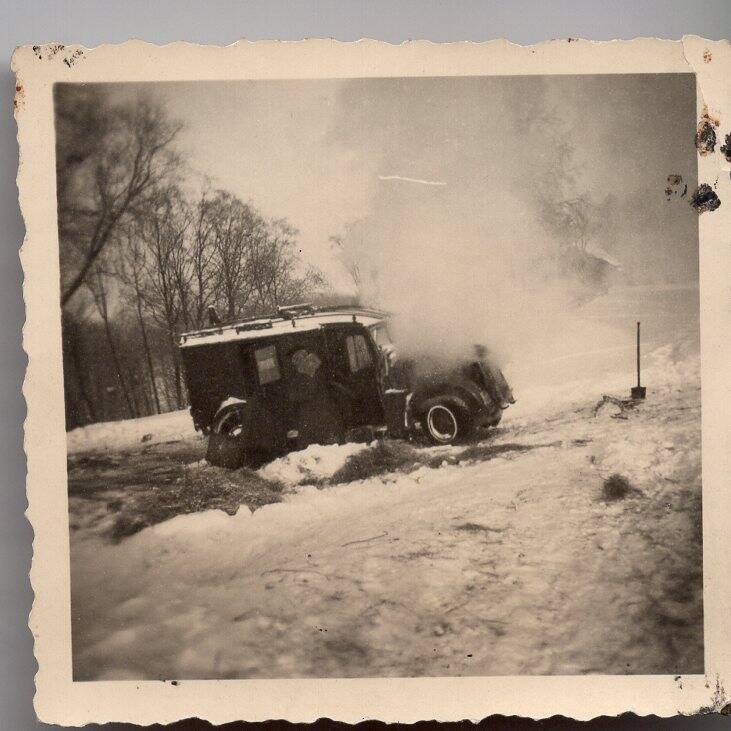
{"x": 146, "y": 398}
{"x": 72, "y": 340}
{"x": 118, "y": 367}
{"x": 176, "y": 371}
{"x": 132, "y": 383}
{"x": 148, "y": 355}
{"x": 178, "y": 385}
{"x": 103, "y": 311}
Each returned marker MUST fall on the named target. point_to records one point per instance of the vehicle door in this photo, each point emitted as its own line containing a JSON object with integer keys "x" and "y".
{"x": 213, "y": 373}
{"x": 270, "y": 413}
{"x": 315, "y": 413}
{"x": 354, "y": 362}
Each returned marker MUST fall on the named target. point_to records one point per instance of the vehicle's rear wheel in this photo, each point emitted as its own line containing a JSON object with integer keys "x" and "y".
{"x": 230, "y": 423}
{"x": 446, "y": 423}
{"x": 226, "y": 446}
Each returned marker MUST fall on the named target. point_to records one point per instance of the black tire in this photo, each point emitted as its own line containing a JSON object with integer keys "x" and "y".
{"x": 226, "y": 442}
{"x": 445, "y": 422}
{"x": 229, "y": 422}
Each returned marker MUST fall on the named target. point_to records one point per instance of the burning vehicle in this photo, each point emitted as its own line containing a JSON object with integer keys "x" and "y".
{"x": 262, "y": 387}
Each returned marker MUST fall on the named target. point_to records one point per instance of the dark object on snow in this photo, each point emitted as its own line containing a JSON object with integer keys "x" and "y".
{"x": 638, "y": 392}
{"x": 705, "y": 199}
{"x": 616, "y": 487}
{"x": 623, "y": 404}
{"x": 146, "y": 438}
{"x": 266, "y": 386}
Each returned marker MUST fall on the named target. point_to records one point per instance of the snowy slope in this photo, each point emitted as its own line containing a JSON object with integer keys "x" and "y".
{"x": 508, "y": 566}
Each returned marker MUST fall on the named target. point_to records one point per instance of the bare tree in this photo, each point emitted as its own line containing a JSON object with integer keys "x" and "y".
{"x": 131, "y": 270}
{"x": 141, "y": 262}
{"x": 80, "y": 406}
{"x": 103, "y": 182}
{"x": 97, "y": 285}
{"x": 236, "y": 228}
{"x": 163, "y": 230}
{"x": 278, "y": 275}
{"x": 202, "y": 253}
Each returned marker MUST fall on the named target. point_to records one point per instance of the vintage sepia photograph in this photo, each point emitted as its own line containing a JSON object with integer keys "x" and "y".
{"x": 382, "y": 377}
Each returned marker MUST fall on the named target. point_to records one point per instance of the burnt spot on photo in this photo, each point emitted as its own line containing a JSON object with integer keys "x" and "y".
{"x": 705, "y": 199}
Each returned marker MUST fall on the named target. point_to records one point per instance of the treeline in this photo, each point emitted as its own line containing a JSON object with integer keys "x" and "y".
{"x": 143, "y": 257}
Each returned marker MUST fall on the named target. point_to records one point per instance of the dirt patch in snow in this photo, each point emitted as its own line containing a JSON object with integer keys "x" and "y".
{"x": 387, "y": 457}
{"x": 384, "y": 457}
{"x": 198, "y": 489}
{"x": 477, "y": 527}
{"x": 118, "y": 494}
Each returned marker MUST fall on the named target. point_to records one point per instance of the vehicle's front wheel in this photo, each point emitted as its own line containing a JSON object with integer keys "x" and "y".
{"x": 446, "y": 423}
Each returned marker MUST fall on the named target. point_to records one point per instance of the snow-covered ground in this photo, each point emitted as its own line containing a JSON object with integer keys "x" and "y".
{"x": 510, "y": 565}
{"x": 116, "y": 435}
{"x": 316, "y": 462}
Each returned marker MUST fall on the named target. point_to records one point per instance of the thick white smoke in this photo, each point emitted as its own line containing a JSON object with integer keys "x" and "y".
{"x": 462, "y": 257}
{"x": 465, "y": 240}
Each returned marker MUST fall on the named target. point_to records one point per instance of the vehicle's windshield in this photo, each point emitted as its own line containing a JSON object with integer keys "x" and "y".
{"x": 381, "y": 335}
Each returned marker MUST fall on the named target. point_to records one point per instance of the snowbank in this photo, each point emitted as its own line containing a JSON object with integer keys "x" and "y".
{"x": 313, "y": 464}
{"x": 663, "y": 367}
{"x": 115, "y": 435}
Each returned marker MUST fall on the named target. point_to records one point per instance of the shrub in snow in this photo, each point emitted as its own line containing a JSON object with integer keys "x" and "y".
{"x": 484, "y": 452}
{"x": 617, "y": 487}
{"x": 395, "y": 456}
{"x": 386, "y": 456}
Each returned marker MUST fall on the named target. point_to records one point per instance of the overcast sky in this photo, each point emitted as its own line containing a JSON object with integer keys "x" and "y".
{"x": 324, "y": 153}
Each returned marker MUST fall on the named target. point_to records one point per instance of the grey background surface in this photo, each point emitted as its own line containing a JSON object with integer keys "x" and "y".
{"x": 92, "y": 22}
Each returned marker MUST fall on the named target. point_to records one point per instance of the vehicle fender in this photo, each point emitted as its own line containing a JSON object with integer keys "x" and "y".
{"x": 226, "y": 405}
{"x": 419, "y": 407}
{"x": 477, "y": 398}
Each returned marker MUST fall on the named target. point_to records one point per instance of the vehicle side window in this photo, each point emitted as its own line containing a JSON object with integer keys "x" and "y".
{"x": 359, "y": 354}
{"x": 267, "y": 365}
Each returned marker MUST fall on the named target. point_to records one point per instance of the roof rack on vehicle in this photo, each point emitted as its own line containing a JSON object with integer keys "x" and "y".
{"x": 300, "y": 311}
{"x": 290, "y": 311}
{"x": 355, "y": 309}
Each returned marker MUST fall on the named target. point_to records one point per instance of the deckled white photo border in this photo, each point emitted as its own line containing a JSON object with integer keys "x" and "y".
{"x": 59, "y": 699}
